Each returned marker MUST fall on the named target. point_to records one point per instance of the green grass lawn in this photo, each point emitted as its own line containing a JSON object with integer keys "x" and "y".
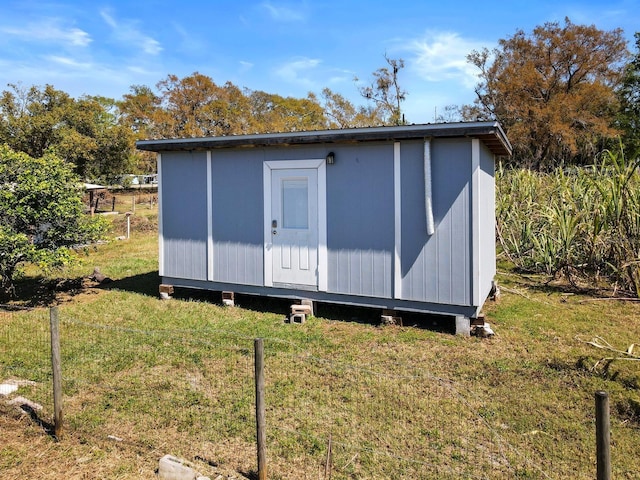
{"x": 145, "y": 377}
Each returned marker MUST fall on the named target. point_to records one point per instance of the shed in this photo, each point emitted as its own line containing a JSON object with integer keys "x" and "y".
{"x": 399, "y": 218}
{"x": 93, "y": 188}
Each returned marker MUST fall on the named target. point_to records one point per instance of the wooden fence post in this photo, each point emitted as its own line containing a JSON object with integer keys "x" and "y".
{"x": 603, "y": 436}
{"x": 260, "y": 409}
{"x": 57, "y": 372}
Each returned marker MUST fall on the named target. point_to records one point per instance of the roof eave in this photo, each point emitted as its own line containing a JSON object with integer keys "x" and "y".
{"x": 490, "y": 132}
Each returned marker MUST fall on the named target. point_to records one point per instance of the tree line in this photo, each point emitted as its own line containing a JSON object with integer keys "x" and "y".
{"x": 563, "y": 93}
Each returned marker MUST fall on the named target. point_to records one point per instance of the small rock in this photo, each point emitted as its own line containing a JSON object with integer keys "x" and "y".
{"x": 6, "y": 388}
{"x": 99, "y": 277}
{"x": 25, "y": 402}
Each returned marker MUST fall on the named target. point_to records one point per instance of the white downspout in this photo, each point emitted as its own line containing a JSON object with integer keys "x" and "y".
{"x": 428, "y": 202}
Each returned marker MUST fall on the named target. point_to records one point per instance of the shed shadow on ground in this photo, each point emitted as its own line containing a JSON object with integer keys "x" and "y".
{"x": 372, "y": 316}
{"x": 148, "y": 284}
{"x": 38, "y": 291}
{"x": 328, "y": 311}
{"x": 143, "y": 284}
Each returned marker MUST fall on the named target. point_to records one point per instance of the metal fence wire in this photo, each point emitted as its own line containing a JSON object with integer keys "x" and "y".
{"x": 348, "y": 421}
{"x": 25, "y": 359}
{"x": 192, "y": 393}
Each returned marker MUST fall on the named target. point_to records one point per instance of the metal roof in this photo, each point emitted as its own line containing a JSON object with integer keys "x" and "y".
{"x": 489, "y": 132}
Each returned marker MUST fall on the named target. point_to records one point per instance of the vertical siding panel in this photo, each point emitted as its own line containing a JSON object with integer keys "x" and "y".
{"x": 459, "y": 253}
{"x": 354, "y": 273}
{"x": 443, "y": 260}
{"x": 360, "y": 231}
{"x": 436, "y": 268}
{"x": 184, "y": 211}
{"x": 238, "y": 220}
{"x": 486, "y": 201}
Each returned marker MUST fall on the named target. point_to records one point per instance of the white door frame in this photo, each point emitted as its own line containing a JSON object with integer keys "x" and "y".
{"x": 320, "y": 165}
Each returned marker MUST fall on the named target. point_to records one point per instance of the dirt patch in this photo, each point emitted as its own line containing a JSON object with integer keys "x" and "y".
{"x": 28, "y": 451}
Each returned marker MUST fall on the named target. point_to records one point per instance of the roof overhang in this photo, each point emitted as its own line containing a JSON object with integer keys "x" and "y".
{"x": 489, "y": 132}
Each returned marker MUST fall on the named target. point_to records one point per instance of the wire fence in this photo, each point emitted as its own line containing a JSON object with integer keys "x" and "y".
{"x": 191, "y": 393}
{"x": 25, "y": 358}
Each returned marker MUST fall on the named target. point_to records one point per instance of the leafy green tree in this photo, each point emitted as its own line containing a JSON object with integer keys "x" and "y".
{"x": 194, "y": 106}
{"x": 84, "y": 132}
{"x": 628, "y": 119}
{"x": 341, "y": 113}
{"x": 139, "y": 109}
{"x": 552, "y": 90}
{"x": 385, "y": 92}
{"x": 32, "y": 117}
{"x": 274, "y": 113}
{"x": 41, "y": 214}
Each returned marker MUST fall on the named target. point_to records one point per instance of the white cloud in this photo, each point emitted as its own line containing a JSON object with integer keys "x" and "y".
{"x": 189, "y": 42}
{"x": 49, "y": 30}
{"x": 138, "y": 70}
{"x": 283, "y": 14}
{"x": 127, "y": 32}
{"x": 69, "y": 62}
{"x": 442, "y": 56}
{"x": 341, "y": 76}
{"x": 245, "y": 66}
{"x": 297, "y": 71}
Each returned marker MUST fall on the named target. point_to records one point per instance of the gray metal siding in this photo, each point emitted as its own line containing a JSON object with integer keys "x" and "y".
{"x": 296, "y": 152}
{"x": 360, "y": 220}
{"x": 184, "y": 214}
{"x": 487, "y": 223}
{"x": 238, "y": 223}
{"x": 437, "y": 268}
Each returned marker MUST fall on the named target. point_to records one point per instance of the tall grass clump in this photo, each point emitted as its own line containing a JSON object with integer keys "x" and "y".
{"x": 581, "y": 223}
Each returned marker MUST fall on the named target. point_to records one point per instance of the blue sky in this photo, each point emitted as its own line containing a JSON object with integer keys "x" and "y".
{"x": 102, "y": 47}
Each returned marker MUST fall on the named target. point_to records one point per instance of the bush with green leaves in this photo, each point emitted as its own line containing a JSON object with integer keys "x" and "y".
{"x": 579, "y": 222}
{"x": 41, "y": 214}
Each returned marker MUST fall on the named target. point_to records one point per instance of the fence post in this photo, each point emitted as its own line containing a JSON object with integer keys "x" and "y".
{"x": 260, "y": 409}
{"x": 603, "y": 436}
{"x": 57, "y": 371}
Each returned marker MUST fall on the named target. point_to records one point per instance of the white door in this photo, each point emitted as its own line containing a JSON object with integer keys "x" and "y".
{"x": 294, "y": 226}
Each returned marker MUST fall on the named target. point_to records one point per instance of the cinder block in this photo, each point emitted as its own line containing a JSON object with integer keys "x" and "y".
{"x": 463, "y": 326}
{"x": 306, "y": 309}
{"x": 390, "y": 317}
{"x": 387, "y": 320}
{"x": 311, "y": 305}
{"x": 297, "y": 317}
{"x": 228, "y": 299}
{"x": 166, "y": 291}
{"x": 172, "y": 468}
